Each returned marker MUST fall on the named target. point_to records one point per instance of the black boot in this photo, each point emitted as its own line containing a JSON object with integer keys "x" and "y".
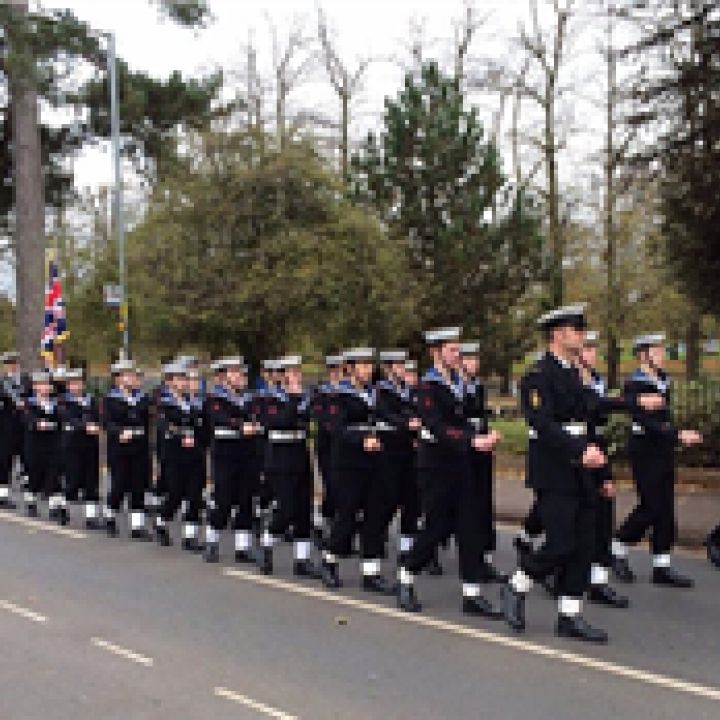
{"x": 111, "y": 527}
{"x": 63, "y": 516}
{"x": 479, "y": 605}
{"x": 163, "y": 536}
{"x": 606, "y": 595}
{"x": 407, "y": 599}
{"x": 378, "y": 584}
{"x": 141, "y": 534}
{"x": 32, "y": 510}
{"x": 93, "y": 524}
{"x": 622, "y": 570}
{"x": 265, "y": 561}
{"x": 53, "y": 514}
{"x": 713, "y": 550}
{"x": 490, "y": 574}
{"x": 433, "y": 566}
{"x": 305, "y": 569}
{"x": 522, "y": 546}
{"x": 244, "y": 557}
{"x": 7, "y": 504}
{"x": 192, "y": 545}
{"x": 212, "y": 552}
{"x": 577, "y": 628}
{"x": 667, "y": 577}
{"x": 513, "y": 606}
{"x": 330, "y": 575}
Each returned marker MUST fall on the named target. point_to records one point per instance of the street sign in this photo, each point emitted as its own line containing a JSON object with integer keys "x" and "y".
{"x": 112, "y": 295}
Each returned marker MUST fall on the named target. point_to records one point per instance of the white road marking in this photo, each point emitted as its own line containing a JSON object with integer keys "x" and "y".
{"x": 23, "y": 612}
{"x": 34, "y": 524}
{"x": 253, "y": 704}
{"x": 122, "y": 652}
{"x": 610, "y": 668}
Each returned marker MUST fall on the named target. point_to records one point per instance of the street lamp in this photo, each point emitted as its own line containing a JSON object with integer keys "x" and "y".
{"x": 118, "y": 218}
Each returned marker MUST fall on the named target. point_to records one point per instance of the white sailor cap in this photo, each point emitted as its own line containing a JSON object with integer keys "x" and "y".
{"x": 123, "y": 366}
{"x": 40, "y": 376}
{"x": 573, "y": 315}
{"x": 234, "y": 362}
{"x": 186, "y": 360}
{"x": 271, "y": 364}
{"x": 359, "y": 354}
{"x": 411, "y": 365}
{"x": 59, "y": 373}
{"x": 591, "y": 339}
{"x": 174, "y": 369}
{"x": 438, "y": 336}
{"x": 74, "y": 374}
{"x": 649, "y": 340}
{"x": 8, "y": 358}
{"x": 471, "y": 347}
{"x": 217, "y": 366}
{"x": 392, "y": 356}
{"x": 289, "y": 361}
{"x": 333, "y": 361}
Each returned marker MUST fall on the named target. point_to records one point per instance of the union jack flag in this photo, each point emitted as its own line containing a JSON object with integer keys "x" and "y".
{"x": 55, "y": 331}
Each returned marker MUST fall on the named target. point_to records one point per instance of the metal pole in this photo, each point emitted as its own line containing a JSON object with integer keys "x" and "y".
{"x": 117, "y": 196}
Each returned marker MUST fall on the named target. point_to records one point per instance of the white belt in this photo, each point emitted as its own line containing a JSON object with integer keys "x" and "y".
{"x": 638, "y": 429}
{"x": 384, "y": 427}
{"x": 477, "y": 423}
{"x": 49, "y": 425}
{"x": 532, "y": 433}
{"x": 136, "y": 432}
{"x": 362, "y": 428}
{"x": 68, "y": 428}
{"x": 575, "y": 429}
{"x": 224, "y": 432}
{"x": 286, "y": 435}
{"x": 427, "y": 436}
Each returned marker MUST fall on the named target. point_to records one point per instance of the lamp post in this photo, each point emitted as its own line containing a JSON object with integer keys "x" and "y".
{"x": 118, "y": 218}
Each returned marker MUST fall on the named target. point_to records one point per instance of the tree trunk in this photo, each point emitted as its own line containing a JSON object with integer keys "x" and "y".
{"x": 692, "y": 353}
{"x": 344, "y": 149}
{"x": 29, "y": 206}
{"x": 556, "y": 248}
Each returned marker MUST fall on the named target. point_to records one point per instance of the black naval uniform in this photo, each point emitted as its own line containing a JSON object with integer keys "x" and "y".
{"x": 449, "y": 492}
{"x": 651, "y": 447}
{"x": 234, "y": 470}
{"x": 81, "y": 452}
{"x": 181, "y": 429}
{"x": 321, "y": 404}
{"x": 288, "y": 473}
{"x": 394, "y": 409}
{"x": 7, "y": 440}
{"x": 42, "y": 450}
{"x": 128, "y": 461}
{"x": 358, "y": 480}
{"x": 557, "y": 409}
{"x": 481, "y": 466}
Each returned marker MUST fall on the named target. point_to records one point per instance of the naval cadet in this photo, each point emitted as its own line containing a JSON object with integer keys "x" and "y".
{"x": 42, "y": 449}
{"x": 80, "y": 418}
{"x": 356, "y": 467}
{"x": 287, "y": 468}
{"x": 127, "y": 419}
{"x": 449, "y": 491}
{"x": 556, "y": 409}
{"x": 651, "y": 447}
{"x": 233, "y": 430}
{"x": 481, "y": 464}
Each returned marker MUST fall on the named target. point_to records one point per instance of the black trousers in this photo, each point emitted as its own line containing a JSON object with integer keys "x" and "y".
{"x": 451, "y": 501}
{"x": 482, "y": 469}
{"x": 82, "y": 473}
{"x": 569, "y": 523}
{"x": 655, "y": 512}
{"x": 327, "y": 509}
{"x": 604, "y": 526}
{"x": 44, "y": 474}
{"x": 292, "y": 493}
{"x": 128, "y": 477}
{"x": 235, "y": 484}
{"x": 359, "y": 491}
{"x": 532, "y": 524}
{"x": 184, "y": 480}
{"x": 6, "y": 460}
{"x": 402, "y": 494}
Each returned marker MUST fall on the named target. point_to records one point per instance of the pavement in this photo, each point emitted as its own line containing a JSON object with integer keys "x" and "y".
{"x": 93, "y": 627}
{"x": 698, "y": 509}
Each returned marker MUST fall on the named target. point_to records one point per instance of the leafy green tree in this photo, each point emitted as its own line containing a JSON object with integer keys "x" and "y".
{"x": 437, "y": 184}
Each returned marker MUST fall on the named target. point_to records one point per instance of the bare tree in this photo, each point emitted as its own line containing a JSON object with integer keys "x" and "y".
{"x": 346, "y": 82}
{"x": 291, "y": 61}
{"x": 29, "y": 197}
{"x": 546, "y": 53}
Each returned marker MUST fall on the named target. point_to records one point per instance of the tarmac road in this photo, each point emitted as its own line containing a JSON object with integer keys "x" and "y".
{"x": 93, "y": 627}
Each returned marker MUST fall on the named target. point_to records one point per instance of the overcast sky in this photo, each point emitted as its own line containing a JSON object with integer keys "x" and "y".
{"x": 369, "y": 28}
